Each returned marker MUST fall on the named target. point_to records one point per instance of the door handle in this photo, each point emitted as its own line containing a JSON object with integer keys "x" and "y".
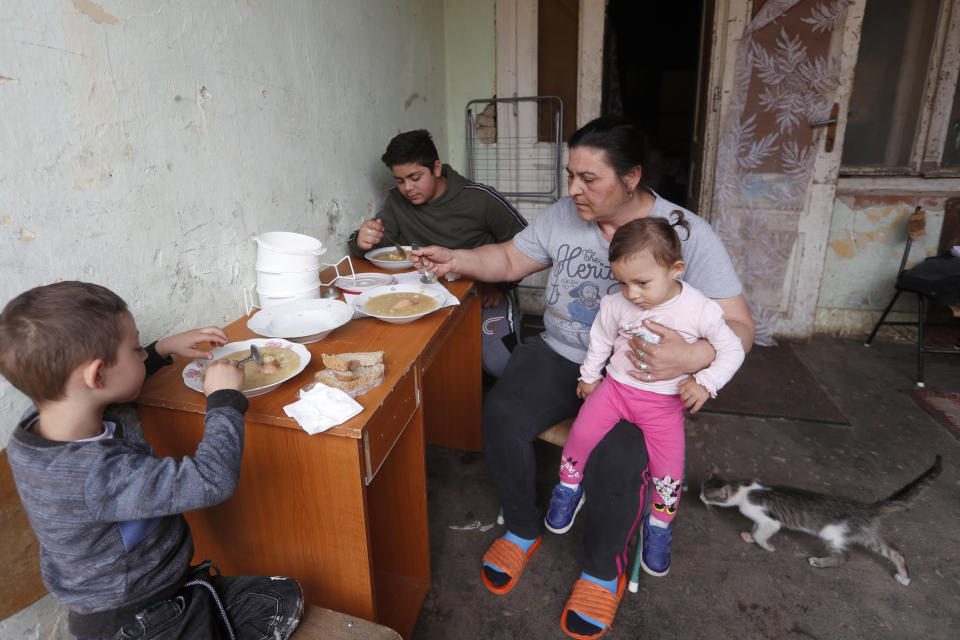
{"x": 831, "y": 125}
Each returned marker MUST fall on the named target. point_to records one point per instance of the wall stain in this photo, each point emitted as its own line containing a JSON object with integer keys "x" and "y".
{"x": 869, "y": 201}
{"x": 409, "y": 101}
{"x": 852, "y": 242}
{"x": 27, "y": 236}
{"x": 5, "y": 80}
{"x": 94, "y": 12}
{"x": 844, "y": 248}
{"x": 334, "y": 216}
{"x": 6, "y": 221}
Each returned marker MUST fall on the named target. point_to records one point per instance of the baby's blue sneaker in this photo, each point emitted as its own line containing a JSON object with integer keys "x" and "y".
{"x": 564, "y": 505}
{"x": 655, "y": 555}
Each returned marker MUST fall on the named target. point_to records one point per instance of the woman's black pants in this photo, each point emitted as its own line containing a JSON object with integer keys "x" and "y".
{"x": 537, "y": 390}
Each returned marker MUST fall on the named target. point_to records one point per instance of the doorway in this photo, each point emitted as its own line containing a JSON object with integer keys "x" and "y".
{"x": 651, "y": 75}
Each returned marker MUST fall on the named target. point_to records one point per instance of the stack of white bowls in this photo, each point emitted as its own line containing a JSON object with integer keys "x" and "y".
{"x": 288, "y": 267}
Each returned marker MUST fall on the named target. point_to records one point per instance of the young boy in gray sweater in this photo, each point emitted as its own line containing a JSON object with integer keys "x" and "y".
{"x": 114, "y": 547}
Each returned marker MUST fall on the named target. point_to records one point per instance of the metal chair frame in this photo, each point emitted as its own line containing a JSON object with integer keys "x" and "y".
{"x": 915, "y": 229}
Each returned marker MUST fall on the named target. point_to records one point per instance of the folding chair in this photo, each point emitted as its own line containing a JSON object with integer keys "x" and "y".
{"x": 935, "y": 280}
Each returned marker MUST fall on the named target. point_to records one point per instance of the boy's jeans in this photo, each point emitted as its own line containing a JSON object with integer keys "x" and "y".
{"x": 257, "y": 607}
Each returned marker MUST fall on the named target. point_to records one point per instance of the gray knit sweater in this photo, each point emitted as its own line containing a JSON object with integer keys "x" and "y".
{"x": 107, "y": 512}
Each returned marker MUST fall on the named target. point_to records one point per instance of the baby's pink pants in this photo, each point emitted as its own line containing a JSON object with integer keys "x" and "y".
{"x": 659, "y": 416}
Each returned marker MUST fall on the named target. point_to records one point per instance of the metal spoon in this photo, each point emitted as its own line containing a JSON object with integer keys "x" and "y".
{"x": 425, "y": 276}
{"x": 396, "y": 245}
{"x": 254, "y": 355}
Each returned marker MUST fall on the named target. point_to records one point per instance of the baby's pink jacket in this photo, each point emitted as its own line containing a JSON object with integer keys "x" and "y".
{"x": 691, "y": 314}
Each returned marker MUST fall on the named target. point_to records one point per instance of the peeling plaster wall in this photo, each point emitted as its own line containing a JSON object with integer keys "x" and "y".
{"x": 867, "y": 237}
{"x": 145, "y": 142}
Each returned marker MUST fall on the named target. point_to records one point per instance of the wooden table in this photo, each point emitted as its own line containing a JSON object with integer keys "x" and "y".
{"x": 344, "y": 511}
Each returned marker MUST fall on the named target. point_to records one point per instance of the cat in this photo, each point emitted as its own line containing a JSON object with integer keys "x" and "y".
{"x": 839, "y": 522}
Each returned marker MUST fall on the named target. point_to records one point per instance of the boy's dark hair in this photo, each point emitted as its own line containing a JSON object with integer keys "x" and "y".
{"x": 47, "y": 332}
{"x": 654, "y": 234}
{"x": 412, "y": 146}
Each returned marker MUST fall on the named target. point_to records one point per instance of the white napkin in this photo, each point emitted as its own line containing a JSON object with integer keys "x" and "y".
{"x": 322, "y": 407}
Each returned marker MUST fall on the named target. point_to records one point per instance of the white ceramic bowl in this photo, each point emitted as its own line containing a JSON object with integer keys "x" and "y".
{"x": 301, "y": 321}
{"x": 359, "y": 301}
{"x": 363, "y": 281}
{"x": 193, "y": 372}
{"x": 280, "y": 251}
{"x": 268, "y": 299}
{"x": 393, "y": 265}
{"x": 287, "y": 282}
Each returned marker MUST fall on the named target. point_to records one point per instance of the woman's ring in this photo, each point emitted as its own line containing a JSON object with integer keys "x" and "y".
{"x": 649, "y": 377}
{"x": 643, "y": 366}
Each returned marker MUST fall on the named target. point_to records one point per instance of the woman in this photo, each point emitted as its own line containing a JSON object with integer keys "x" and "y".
{"x": 538, "y": 387}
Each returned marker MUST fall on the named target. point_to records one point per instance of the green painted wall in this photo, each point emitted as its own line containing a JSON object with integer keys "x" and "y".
{"x": 471, "y": 50}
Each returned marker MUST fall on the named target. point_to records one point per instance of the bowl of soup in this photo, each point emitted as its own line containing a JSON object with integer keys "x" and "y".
{"x": 282, "y": 360}
{"x": 389, "y": 257}
{"x": 399, "y": 303}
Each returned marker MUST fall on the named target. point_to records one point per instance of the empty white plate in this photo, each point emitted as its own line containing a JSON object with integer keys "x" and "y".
{"x": 360, "y": 282}
{"x": 301, "y": 321}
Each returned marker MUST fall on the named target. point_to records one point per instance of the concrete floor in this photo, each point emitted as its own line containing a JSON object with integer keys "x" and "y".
{"x": 719, "y": 586}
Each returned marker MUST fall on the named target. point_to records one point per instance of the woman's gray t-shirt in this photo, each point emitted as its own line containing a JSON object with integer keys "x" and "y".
{"x": 580, "y": 274}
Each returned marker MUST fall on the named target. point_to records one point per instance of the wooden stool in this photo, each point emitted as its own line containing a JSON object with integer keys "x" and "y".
{"x": 557, "y": 434}
{"x": 318, "y": 622}
{"x": 19, "y": 559}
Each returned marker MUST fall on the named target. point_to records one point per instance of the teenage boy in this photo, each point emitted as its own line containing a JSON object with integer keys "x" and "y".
{"x": 433, "y": 204}
{"x": 114, "y": 547}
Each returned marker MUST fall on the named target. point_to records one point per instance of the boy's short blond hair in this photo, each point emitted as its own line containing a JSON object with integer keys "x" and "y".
{"x": 48, "y": 331}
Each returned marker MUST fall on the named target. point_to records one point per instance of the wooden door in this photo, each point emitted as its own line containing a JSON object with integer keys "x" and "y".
{"x": 775, "y": 175}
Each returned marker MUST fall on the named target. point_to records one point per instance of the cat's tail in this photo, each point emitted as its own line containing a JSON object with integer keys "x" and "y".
{"x": 902, "y": 498}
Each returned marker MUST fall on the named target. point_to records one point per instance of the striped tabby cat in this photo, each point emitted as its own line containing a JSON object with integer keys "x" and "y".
{"x": 839, "y": 522}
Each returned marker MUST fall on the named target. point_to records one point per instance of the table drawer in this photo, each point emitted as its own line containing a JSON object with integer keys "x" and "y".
{"x": 388, "y": 422}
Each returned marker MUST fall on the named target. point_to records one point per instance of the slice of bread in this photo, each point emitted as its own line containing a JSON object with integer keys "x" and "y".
{"x": 360, "y": 377}
{"x": 351, "y": 361}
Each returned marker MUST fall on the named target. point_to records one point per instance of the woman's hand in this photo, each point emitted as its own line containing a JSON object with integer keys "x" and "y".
{"x": 185, "y": 344}
{"x": 433, "y": 259}
{"x": 586, "y": 388}
{"x": 490, "y": 295}
{"x": 692, "y": 394}
{"x": 670, "y": 358}
{"x": 222, "y": 374}
{"x": 369, "y": 234}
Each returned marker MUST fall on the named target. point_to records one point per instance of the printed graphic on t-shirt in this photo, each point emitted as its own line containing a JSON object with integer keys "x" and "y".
{"x": 579, "y": 279}
{"x": 585, "y": 303}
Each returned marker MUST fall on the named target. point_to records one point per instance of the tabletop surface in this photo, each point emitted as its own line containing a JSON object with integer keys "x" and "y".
{"x": 402, "y": 344}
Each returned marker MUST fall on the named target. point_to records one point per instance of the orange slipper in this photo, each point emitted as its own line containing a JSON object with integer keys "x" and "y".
{"x": 592, "y": 600}
{"x": 509, "y": 557}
